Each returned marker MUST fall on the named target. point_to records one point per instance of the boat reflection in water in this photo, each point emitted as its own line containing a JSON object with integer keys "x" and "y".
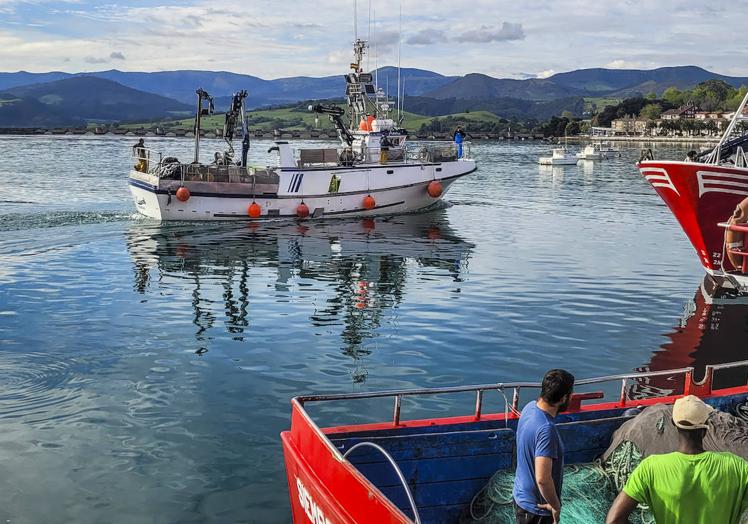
{"x": 713, "y": 330}
{"x": 358, "y": 267}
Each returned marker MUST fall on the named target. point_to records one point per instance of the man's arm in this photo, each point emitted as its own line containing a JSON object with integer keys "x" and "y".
{"x": 544, "y": 480}
{"x": 622, "y": 507}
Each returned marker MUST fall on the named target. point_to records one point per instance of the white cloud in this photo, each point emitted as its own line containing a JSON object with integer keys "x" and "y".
{"x": 220, "y": 34}
{"x": 628, "y": 64}
{"x": 427, "y": 37}
{"x": 546, "y": 73}
{"x": 507, "y": 32}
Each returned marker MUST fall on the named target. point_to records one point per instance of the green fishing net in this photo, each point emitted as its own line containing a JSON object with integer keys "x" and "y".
{"x": 589, "y": 491}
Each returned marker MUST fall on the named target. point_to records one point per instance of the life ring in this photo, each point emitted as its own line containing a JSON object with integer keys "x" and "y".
{"x": 735, "y": 239}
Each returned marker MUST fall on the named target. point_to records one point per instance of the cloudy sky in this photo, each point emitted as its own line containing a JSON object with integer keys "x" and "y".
{"x": 271, "y": 39}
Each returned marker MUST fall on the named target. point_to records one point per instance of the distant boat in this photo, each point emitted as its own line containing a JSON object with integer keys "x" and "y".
{"x": 608, "y": 151}
{"x": 559, "y": 157}
{"x": 591, "y": 152}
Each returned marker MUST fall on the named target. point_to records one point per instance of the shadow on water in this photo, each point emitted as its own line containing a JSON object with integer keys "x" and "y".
{"x": 712, "y": 330}
{"x": 362, "y": 264}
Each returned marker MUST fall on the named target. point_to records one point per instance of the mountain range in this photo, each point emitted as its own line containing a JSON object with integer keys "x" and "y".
{"x": 58, "y": 98}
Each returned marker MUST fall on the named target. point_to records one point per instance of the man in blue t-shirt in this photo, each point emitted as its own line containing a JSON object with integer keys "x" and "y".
{"x": 540, "y": 452}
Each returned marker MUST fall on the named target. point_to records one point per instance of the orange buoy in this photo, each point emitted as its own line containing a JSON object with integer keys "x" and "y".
{"x": 368, "y": 224}
{"x": 254, "y": 210}
{"x": 302, "y": 210}
{"x": 434, "y": 189}
{"x": 369, "y": 202}
{"x": 183, "y": 194}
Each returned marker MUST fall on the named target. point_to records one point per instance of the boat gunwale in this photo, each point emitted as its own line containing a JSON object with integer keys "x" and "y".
{"x": 702, "y": 388}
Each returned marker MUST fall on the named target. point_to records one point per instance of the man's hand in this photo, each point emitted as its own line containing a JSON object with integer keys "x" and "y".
{"x": 555, "y": 513}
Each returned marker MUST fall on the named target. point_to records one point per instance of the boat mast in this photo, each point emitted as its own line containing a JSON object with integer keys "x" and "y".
{"x": 201, "y": 95}
{"x": 399, "y": 49}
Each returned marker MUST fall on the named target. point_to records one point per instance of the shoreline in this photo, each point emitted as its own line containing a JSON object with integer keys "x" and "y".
{"x": 319, "y": 135}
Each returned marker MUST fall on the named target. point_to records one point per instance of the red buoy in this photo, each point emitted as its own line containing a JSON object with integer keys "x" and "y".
{"x": 254, "y": 210}
{"x": 302, "y": 210}
{"x": 183, "y": 194}
{"x": 435, "y": 189}
{"x": 369, "y": 202}
{"x": 368, "y": 224}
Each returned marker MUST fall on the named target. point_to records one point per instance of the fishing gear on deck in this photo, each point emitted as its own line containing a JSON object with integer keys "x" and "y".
{"x": 335, "y": 113}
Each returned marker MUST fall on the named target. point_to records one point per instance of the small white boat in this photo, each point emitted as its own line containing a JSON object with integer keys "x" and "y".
{"x": 559, "y": 157}
{"x": 609, "y": 151}
{"x": 591, "y": 152}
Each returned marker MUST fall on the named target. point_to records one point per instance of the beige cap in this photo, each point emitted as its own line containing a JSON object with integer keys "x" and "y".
{"x": 690, "y": 412}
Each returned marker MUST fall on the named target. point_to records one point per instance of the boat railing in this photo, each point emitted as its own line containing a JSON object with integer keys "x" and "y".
{"x": 437, "y": 151}
{"x": 691, "y": 386}
{"x": 421, "y": 152}
{"x": 740, "y": 158}
{"x": 146, "y": 160}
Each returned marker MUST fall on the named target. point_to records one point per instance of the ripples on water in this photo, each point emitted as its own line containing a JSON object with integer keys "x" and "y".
{"x": 146, "y": 369}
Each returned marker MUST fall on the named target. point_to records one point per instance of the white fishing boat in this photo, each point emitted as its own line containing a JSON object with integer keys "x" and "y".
{"x": 373, "y": 171}
{"x": 559, "y": 157}
{"x": 590, "y": 152}
{"x": 608, "y": 151}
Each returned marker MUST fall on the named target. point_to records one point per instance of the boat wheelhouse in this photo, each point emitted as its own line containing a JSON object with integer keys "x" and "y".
{"x": 429, "y": 470}
{"x": 374, "y": 170}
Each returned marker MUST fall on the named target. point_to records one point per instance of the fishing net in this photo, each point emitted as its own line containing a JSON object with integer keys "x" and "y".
{"x": 589, "y": 491}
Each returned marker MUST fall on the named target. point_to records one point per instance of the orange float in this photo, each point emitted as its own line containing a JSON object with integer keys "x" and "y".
{"x": 183, "y": 194}
{"x": 434, "y": 189}
{"x": 254, "y": 210}
{"x": 369, "y": 202}
{"x": 302, "y": 210}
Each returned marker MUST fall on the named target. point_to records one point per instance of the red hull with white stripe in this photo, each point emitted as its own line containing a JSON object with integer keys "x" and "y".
{"x": 701, "y": 196}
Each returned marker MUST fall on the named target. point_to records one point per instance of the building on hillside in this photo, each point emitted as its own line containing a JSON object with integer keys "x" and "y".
{"x": 630, "y": 125}
{"x": 710, "y": 115}
{"x": 685, "y": 111}
{"x": 601, "y": 131}
{"x": 731, "y": 114}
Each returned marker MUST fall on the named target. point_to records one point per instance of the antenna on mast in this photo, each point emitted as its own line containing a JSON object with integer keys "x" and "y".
{"x": 376, "y": 56}
{"x": 399, "y": 48}
{"x": 355, "y": 20}
{"x": 368, "y": 38}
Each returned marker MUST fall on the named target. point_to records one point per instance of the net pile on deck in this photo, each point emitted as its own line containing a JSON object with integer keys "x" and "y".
{"x": 589, "y": 489}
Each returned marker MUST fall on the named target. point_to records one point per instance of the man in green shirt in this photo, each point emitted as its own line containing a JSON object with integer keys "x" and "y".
{"x": 688, "y": 486}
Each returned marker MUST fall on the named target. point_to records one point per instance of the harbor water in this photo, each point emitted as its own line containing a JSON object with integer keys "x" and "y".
{"x": 146, "y": 369}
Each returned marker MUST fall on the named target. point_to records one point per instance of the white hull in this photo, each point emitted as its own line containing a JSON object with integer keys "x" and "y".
{"x": 395, "y": 189}
{"x": 594, "y": 156}
{"x": 548, "y": 161}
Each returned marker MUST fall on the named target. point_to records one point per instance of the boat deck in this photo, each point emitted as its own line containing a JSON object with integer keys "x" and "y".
{"x": 429, "y": 470}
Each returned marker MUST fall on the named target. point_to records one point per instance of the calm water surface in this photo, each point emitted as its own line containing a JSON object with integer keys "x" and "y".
{"x": 146, "y": 369}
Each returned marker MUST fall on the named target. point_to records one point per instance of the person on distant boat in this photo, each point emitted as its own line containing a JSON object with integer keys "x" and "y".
{"x": 459, "y": 137}
{"x": 540, "y": 452}
{"x": 688, "y": 486}
{"x": 138, "y": 151}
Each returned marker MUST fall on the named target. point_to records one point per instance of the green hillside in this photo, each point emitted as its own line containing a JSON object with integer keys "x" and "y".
{"x": 299, "y": 118}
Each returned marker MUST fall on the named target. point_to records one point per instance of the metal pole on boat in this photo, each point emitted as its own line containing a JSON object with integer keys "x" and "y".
{"x": 715, "y": 156}
{"x": 197, "y": 124}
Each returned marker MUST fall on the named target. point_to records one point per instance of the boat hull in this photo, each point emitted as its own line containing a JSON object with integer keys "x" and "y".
{"x": 444, "y": 462}
{"x": 701, "y": 196}
{"x": 557, "y": 161}
{"x": 395, "y": 189}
